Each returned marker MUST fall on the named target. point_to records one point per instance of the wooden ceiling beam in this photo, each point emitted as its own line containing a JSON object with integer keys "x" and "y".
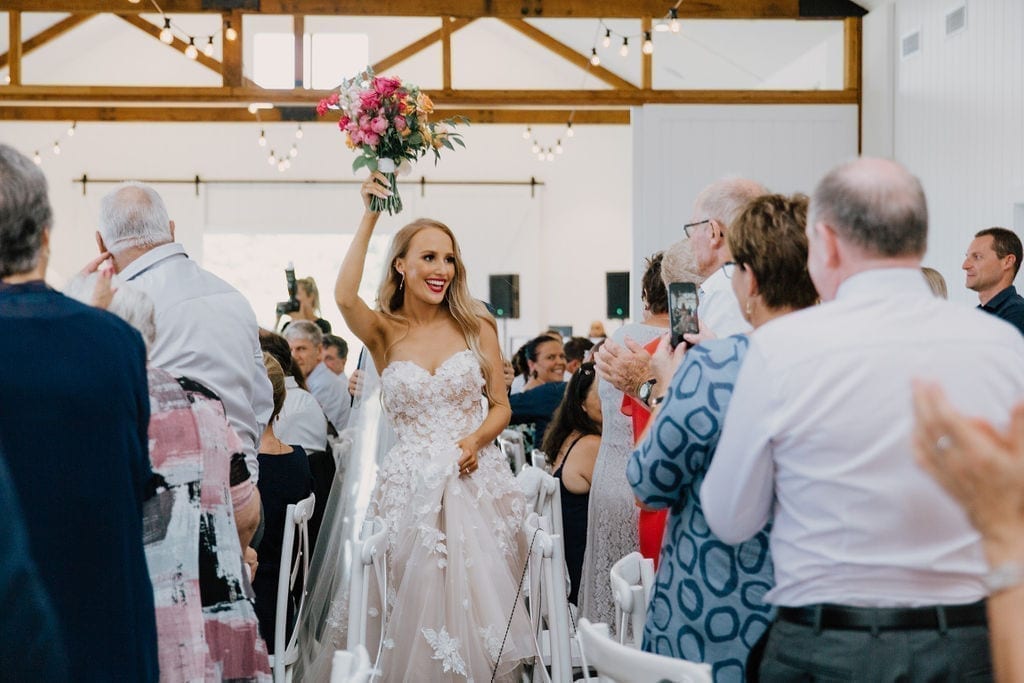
{"x": 506, "y": 9}
{"x": 242, "y": 115}
{"x": 462, "y": 98}
{"x": 178, "y": 44}
{"x": 48, "y": 34}
{"x": 14, "y": 51}
{"x": 567, "y": 53}
{"x": 418, "y": 46}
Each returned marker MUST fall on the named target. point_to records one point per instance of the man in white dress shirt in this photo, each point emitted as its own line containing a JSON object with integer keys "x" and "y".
{"x": 306, "y": 341}
{"x": 207, "y": 330}
{"x": 878, "y": 574}
{"x": 628, "y": 366}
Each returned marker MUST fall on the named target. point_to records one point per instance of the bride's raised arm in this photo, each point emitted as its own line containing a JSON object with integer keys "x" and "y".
{"x": 365, "y": 323}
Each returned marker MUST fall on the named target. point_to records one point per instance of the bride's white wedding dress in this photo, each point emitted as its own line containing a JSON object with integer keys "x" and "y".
{"x": 456, "y": 548}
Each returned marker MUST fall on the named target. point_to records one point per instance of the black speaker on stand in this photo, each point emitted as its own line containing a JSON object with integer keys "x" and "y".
{"x": 617, "y": 291}
{"x": 504, "y": 295}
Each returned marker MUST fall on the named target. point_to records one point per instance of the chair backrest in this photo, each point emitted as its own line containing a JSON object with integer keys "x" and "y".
{"x": 351, "y": 666}
{"x": 540, "y": 460}
{"x": 296, "y": 524}
{"x": 632, "y": 579}
{"x": 617, "y": 663}
{"x": 372, "y": 546}
{"x": 512, "y": 446}
{"x": 548, "y": 597}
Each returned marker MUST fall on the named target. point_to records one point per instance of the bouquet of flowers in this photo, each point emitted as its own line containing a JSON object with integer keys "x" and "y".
{"x": 388, "y": 122}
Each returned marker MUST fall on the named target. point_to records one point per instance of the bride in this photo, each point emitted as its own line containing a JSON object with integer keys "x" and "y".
{"x": 446, "y": 495}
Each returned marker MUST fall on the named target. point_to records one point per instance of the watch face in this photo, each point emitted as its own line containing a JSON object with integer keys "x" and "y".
{"x": 645, "y": 390}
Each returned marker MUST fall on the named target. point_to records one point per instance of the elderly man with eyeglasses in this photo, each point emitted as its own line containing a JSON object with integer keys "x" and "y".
{"x": 627, "y": 366}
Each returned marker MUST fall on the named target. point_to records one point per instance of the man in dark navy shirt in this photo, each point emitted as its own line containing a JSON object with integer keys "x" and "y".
{"x": 992, "y": 262}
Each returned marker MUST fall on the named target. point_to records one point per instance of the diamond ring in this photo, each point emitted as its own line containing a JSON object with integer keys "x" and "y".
{"x": 943, "y": 443}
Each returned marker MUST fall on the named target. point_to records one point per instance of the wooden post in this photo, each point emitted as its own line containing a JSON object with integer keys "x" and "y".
{"x": 852, "y": 67}
{"x": 14, "y": 51}
{"x": 232, "y": 64}
{"x": 446, "y": 53}
{"x": 646, "y": 61}
{"x": 299, "y": 28}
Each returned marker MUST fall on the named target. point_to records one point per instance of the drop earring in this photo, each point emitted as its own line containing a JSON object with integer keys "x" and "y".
{"x": 401, "y": 285}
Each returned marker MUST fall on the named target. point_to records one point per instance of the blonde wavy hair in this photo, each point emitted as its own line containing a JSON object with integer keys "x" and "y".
{"x": 464, "y": 309}
{"x": 308, "y": 285}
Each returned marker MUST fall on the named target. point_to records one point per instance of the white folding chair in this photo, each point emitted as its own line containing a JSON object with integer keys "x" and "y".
{"x": 617, "y": 663}
{"x": 539, "y": 459}
{"x": 632, "y": 579}
{"x": 548, "y": 602}
{"x": 287, "y": 649}
{"x": 351, "y": 666}
{"x": 511, "y": 443}
{"x": 366, "y": 552}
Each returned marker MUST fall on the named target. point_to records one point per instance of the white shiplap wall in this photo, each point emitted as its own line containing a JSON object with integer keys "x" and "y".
{"x": 959, "y": 122}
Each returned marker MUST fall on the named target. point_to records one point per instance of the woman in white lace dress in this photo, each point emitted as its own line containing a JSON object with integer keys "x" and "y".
{"x": 446, "y": 495}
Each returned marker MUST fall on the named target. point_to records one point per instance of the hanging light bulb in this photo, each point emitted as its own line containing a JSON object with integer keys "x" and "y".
{"x": 558, "y": 147}
{"x": 607, "y": 38}
{"x": 569, "y": 132}
{"x": 527, "y": 133}
{"x": 229, "y": 32}
{"x": 648, "y": 43}
{"x": 287, "y": 163}
{"x": 594, "y": 59}
{"x": 263, "y": 139}
{"x": 37, "y": 158}
{"x": 166, "y": 34}
{"x": 208, "y": 48}
{"x": 673, "y": 20}
{"x": 280, "y": 166}
{"x": 271, "y": 160}
{"x": 536, "y": 147}
{"x": 56, "y": 147}
{"x": 191, "y": 51}
{"x": 71, "y": 130}
{"x": 298, "y": 132}
{"x": 624, "y": 50}
{"x": 293, "y": 152}
{"x": 541, "y": 156}
{"x": 550, "y": 155}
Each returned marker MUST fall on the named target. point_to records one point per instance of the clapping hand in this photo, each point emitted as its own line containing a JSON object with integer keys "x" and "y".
{"x": 624, "y": 367}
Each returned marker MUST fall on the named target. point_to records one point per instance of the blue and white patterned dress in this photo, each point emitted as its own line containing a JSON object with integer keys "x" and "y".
{"x": 707, "y": 604}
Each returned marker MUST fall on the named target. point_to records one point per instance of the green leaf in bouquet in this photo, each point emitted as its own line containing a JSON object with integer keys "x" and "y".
{"x": 447, "y": 143}
{"x": 458, "y": 140}
{"x": 360, "y": 162}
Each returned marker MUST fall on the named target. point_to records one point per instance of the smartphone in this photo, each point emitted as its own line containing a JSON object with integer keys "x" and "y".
{"x": 682, "y": 310}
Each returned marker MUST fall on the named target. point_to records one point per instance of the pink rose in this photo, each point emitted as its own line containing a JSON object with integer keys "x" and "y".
{"x": 372, "y": 139}
{"x": 379, "y": 124}
{"x": 321, "y": 107}
{"x": 332, "y": 98}
{"x": 385, "y": 85}
{"x": 357, "y": 137}
{"x": 369, "y": 99}
{"x": 343, "y": 122}
{"x": 400, "y": 124}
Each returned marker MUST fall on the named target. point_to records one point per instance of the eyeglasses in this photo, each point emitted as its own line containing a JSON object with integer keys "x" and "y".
{"x": 687, "y": 229}
{"x": 728, "y": 267}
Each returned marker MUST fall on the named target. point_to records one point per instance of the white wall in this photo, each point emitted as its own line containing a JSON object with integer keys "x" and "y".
{"x": 957, "y": 121}
{"x": 678, "y": 150}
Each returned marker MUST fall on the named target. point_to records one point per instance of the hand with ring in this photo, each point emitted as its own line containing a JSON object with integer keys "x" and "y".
{"x": 468, "y": 463}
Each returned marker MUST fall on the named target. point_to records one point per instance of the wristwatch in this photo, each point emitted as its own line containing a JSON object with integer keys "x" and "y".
{"x": 643, "y": 392}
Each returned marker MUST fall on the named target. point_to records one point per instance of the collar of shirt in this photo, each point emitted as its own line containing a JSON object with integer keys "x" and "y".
{"x": 716, "y": 282}
{"x": 1000, "y": 300}
{"x": 32, "y": 286}
{"x": 151, "y": 258}
{"x": 883, "y": 283}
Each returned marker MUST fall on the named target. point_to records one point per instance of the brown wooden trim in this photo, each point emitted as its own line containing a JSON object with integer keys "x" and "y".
{"x": 417, "y": 46}
{"x": 242, "y": 115}
{"x": 446, "y": 53}
{"x": 507, "y": 9}
{"x": 567, "y": 53}
{"x": 852, "y": 77}
{"x": 178, "y": 44}
{"x": 448, "y": 98}
{"x": 14, "y": 49}
{"x": 48, "y": 34}
{"x": 231, "y": 69}
{"x": 646, "y": 61}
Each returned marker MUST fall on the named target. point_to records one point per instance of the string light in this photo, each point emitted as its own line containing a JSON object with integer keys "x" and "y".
{"x": 298, "y": 132}
{"x": 550, "y": 155}
{"x": 263, "y": 139}
{"x": 569, "y": 132}
{"x": 272, "y": 159}
{"x": 191, "y": 51}
{"x": 56, "y": 147}
{"x": 208, "y": 48}
{"x": 624, "y": 50}
{"x": 536, "y": 147}
{"x": 527, "y": 133}
{"x": 594, "y": 59}
{"x": 293, "y": 152}
{"x": 166, "y": 34}
{"x": 37, "y": 158}
{"x": 558, "y": 147}
{"x": 229, "y": 32}
{"x": 71, "y": 130}
{"x": 648, "y": 43}
{"x": 607, "y": 38}
{"x": 673, "y": 20}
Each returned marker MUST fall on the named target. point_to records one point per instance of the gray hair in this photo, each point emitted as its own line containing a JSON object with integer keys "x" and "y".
{"x": 129, "y": 303}
{"x": 303, "y": 329}
{"x": 874, "y": 204}
{"x": 133, "y": 215}
{"x": 724, "y": 199}
{"x": 680, "y": 265}
{"x": 24, "y": 212}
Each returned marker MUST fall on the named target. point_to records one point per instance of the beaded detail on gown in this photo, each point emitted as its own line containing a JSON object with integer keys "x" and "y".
{"x": 455, "y": 545}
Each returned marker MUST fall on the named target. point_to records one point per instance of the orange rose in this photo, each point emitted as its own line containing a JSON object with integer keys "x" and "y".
{"x": 424, "y": 104}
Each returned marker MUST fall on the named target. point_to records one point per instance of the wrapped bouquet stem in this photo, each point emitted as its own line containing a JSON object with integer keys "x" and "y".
{"x": 388, "y": 123}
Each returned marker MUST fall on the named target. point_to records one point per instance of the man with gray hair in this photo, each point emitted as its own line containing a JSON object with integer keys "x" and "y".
{"x": 206, "y": 329}
{"x": 306, "y": 342}
{"x": 879, "y": 575}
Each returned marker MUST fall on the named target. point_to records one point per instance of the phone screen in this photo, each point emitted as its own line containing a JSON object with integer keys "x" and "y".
{"x": 682, "y": 309}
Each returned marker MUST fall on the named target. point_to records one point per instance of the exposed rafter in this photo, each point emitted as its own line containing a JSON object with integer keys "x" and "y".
{"x": 48, "y": 34}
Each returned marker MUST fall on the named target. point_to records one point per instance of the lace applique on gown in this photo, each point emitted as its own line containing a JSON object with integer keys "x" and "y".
{"x": 456, "y": 548}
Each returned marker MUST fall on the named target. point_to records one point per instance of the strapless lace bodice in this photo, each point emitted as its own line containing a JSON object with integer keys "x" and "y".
{"x": 438, "y": 408}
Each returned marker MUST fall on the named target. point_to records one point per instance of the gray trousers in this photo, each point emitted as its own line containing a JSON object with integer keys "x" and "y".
{"x": 794, "y": 652}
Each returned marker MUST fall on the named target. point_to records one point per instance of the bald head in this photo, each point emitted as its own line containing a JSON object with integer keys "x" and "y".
{"x": 133, "y": 215}
{"x": 875, "y": 205}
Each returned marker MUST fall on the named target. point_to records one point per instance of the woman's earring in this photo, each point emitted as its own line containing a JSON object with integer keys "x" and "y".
{"x": 401, "y": 285}
{"x": 750, "y": 307}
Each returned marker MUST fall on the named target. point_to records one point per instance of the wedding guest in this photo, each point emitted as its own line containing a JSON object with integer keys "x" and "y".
{"x": 575, "y": 352}
{"x": 81, "y": 464}
{"x": 936, "y": 282}
{"x": 306, "y": 342}
{"x": 596, "y": 331}
{"x": 286, "y": 480}
{"x": 575, "y": 430}
{"x": 533, "y": 407}
{"x": 992, "y": 263}
{"x": 690, "y": 400}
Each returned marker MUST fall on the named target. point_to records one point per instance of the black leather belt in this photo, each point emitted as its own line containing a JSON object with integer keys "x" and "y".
{"x": 938, "y": 617}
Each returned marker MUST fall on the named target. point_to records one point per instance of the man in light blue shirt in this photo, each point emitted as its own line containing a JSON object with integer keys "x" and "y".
{"x": 306, "y": 342}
